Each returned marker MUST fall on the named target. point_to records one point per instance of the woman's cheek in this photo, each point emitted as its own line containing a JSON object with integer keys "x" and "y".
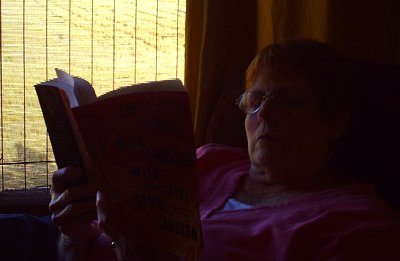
{"x": 249, "y": 127}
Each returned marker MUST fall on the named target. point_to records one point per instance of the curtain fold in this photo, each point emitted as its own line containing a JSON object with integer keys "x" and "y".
{"x": 281, "y": 19}
{"x": 220, "y": 43}
{"x": 222, "y": 36}
{"x": 367, "y": 30}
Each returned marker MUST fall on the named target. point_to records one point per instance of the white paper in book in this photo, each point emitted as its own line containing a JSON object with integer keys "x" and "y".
{"x": 174, "y": 85}
{"x": 78, "y": 90}
{"x": 81, "y": 92}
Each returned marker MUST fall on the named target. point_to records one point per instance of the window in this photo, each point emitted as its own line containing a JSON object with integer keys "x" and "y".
{"x": 109, "y": 43}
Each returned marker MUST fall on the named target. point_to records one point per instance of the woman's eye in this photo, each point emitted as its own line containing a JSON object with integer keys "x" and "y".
{"x": 292, "y": 101}
{"x": 254, "y": 101}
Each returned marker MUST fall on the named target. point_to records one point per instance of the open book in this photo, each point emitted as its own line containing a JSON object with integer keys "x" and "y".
{"x": 136, "y": 144}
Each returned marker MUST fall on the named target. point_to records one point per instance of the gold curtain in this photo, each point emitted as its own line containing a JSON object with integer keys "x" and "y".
{"x": 220, "y": 42}
{"x": 367, "y": 30}
{"x": 222, "y": 36}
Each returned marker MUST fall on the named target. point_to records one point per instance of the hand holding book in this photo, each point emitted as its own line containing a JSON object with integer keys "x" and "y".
{"x": 135, "y": 144}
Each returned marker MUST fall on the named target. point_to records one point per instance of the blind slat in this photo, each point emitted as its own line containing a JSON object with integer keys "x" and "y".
{"x": 110, "y": 43}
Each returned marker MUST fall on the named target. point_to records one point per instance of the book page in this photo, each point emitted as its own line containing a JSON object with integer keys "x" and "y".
{"x": 159, "y": 86}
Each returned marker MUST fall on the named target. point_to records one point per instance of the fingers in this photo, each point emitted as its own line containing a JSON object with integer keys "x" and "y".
{"x": 76, "y": 225}
{"x": 115, "y": 227}
{"x": 65, "y": 178}
{"x": 72, "y": 195}
{"x": 72, "y": 203}
{"x": 73, "y": 211}
{"x": 105, "y": 217}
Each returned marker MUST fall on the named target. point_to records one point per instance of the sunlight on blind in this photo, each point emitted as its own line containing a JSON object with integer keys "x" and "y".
{"x": 109, "y": 43}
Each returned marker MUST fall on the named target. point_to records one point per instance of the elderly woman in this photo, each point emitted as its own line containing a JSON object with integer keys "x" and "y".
{"x": 283, "y": 198}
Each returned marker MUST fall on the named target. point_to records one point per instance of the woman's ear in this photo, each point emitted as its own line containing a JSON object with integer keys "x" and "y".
{"x": 339, "y": 125}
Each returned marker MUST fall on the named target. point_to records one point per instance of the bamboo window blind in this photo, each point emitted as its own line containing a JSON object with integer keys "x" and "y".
{"x": 111, "y": 43}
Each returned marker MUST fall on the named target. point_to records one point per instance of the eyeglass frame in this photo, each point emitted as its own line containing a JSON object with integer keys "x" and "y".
{"x": 273, "y": 97}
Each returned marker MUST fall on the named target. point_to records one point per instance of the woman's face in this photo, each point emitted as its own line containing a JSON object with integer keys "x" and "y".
{"x": 288, "y": 139}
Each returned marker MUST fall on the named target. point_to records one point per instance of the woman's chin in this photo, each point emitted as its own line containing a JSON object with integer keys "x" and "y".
{"x": 268, "y": 158}
{"x": 268, "y": 167}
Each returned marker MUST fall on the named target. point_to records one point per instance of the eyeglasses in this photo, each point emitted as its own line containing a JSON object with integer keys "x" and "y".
{"x": 250, "y": 102}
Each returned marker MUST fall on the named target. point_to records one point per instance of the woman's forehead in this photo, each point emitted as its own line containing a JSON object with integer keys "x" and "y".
{"x": 282, "y": 80}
